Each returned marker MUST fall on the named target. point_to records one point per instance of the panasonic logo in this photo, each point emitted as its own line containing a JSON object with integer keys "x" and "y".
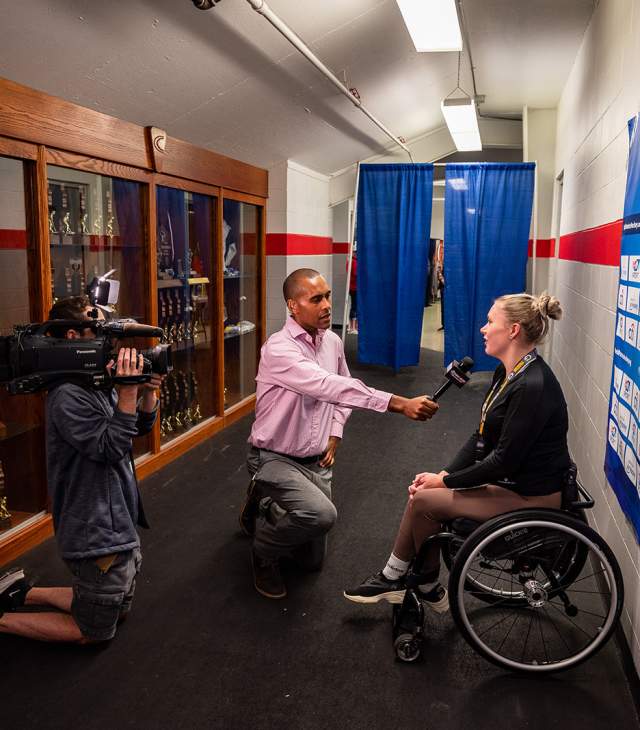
{"x": 86, "y": 352}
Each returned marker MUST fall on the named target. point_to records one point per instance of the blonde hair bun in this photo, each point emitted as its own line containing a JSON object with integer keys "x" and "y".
{"x": 549, "y": 306}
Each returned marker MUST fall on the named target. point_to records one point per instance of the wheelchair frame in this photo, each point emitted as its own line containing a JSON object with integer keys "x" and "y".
{"x": 519, "y": 540}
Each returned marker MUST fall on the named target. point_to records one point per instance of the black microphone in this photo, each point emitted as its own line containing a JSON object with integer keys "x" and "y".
{"x": 455, "y": 374}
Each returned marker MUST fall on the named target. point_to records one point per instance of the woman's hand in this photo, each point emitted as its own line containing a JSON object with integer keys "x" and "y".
{"x": 427, "y": 480}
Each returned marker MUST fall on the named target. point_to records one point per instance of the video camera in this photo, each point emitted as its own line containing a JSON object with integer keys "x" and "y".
{"x": 38, "y": 356}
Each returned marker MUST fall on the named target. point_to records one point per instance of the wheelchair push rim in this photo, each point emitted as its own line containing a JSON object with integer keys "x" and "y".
{"x": 560, "y": 618}
{"x": 488, "y": 590}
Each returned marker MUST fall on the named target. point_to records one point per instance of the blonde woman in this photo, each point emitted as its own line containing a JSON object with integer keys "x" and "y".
{"x": 521, "y": 435}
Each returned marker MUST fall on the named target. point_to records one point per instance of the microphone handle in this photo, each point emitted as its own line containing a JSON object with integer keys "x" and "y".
{"x": 442, "y": 389}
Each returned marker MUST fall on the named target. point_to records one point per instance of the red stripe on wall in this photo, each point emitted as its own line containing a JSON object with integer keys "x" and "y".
{"x": 297, "y": 244}
{"x": 600, "y": 245}
{"x": 544, "y": 249}
{"x": 13, "y": 238}
{"x": 341, "y": 247}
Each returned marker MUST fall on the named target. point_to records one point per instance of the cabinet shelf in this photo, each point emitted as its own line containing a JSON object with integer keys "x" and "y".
{"x": 173, "y": 283}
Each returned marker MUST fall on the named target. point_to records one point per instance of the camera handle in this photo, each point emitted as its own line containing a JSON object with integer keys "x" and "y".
{"x": 131, "y": 379}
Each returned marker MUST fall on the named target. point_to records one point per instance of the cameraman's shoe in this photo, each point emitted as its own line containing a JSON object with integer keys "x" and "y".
{"x": 13, "y": 590}
{"x": 250, "y": 509}
{"x": 267, "y": 578}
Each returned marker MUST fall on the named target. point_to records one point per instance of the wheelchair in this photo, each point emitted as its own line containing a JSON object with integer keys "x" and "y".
{"x": 536, "y": 590}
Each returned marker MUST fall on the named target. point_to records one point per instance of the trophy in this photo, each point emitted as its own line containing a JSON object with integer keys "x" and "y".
{"x": 5, "y": 516}
{"x": 66, "y": 225}
{"x": 97, "y": 225}
{"x": 77, "y": 279}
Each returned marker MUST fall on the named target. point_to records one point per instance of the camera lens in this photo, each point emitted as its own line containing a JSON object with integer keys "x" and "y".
{"x": 157, "y": 360}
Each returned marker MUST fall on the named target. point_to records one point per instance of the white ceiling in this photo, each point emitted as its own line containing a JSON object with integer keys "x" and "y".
{"x": 227, "y": 80}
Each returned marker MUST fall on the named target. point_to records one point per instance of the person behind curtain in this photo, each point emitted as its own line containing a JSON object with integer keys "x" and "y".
{"x": 304, "y": 397}
{"x": 441, "y": 290}
{"x": 522, "y": 436}
{"x": 353, "y": 296}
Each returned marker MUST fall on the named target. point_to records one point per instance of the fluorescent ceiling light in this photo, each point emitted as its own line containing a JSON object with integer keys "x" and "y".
{"x": 462, "y": 120}
{"x": 432, "y": 24}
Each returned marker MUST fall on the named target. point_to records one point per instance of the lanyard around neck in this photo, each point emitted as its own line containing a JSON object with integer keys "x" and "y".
{"x": 522, "y": 364}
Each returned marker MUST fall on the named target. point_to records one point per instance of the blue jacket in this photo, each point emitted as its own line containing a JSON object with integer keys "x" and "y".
{"x": 95, "y": 501}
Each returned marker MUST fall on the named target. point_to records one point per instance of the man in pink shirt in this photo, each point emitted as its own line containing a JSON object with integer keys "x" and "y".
{"x": 304, "y": 397}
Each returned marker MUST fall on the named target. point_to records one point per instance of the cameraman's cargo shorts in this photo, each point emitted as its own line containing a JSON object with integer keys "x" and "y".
{"x": 103, "y": 591}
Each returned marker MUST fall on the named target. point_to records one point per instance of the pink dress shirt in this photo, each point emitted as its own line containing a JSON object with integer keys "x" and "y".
{"x": 305, "y": 392}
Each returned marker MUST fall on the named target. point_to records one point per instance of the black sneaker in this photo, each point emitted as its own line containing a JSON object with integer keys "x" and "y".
{"x": 13, "y": 590}
{"x": 377, "y": 588}
{"x": 250, "y": 510}
{"x": 267, "y": 578}
{"x": 437, "y": 599}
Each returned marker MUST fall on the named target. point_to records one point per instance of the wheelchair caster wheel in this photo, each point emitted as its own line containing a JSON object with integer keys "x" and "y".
{"x": 407, "y": 647}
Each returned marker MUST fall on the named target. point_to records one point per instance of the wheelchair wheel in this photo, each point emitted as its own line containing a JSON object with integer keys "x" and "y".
{"x": 555, "y": 591}
{"x": 489, "y": 588}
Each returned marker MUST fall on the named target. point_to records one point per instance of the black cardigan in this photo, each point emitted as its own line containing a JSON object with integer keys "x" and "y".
{"x": 525, "y": 435}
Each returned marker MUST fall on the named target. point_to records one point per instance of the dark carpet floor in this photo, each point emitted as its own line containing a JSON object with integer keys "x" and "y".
{"x": 203, "y": 650}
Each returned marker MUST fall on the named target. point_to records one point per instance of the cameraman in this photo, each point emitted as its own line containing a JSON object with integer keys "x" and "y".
{"x": 95, "y": 500}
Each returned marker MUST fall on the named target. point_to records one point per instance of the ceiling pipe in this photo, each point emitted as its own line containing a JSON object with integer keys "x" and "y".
{"x": 261, "y": 7}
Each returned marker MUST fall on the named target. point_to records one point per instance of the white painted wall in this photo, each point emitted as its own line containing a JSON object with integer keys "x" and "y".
{"x": 600, "y": 95}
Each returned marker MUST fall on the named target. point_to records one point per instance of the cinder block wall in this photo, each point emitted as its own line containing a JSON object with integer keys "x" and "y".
{"x": 600, "y": 96}
{"x": 299, "y": 231}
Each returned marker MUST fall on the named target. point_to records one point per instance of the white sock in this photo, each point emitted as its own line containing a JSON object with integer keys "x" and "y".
{"x": 395, "y": 568}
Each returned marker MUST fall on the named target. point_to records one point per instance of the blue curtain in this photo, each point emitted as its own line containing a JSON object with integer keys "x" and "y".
{"x": 487, "y": 215}
{"x": 393, "y": 229}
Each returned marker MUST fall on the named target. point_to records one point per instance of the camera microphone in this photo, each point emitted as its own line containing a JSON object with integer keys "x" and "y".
{"x": 455, "y": 374}
{"x": 131, "y": 328}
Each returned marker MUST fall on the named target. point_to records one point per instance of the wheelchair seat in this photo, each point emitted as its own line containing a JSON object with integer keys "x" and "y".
{"x": 464, "y": 526}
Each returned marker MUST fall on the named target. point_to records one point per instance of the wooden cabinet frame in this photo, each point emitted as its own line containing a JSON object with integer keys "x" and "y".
{"x": 43, "y": 130}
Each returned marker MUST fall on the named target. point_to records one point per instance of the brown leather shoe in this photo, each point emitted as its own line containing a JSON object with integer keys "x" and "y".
{"x": 267, "y": 578}
{"x": 250, "y": 509}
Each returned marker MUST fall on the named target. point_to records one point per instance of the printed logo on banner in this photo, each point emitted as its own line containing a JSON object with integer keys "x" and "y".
{"x": 635, "y": 401}
{"x": 622, "y": 297}
{"x": 624, "y": 268}
{"x": 633, "y": 300}
{"x": 624, "y": 419}
{"x": 634, "y": 268}
{"x": 630, "y": 464}
{"x": 627, "y": 389}
{"x": 614, "y": 406}
{"x": 621, "y": 326}
{"x": 621, "y": 447}
{"x": 613, "y": 435}
{"x": 632, "y": 331}
{"x": 633, "y": 435}
{"x": 617, "y": 378}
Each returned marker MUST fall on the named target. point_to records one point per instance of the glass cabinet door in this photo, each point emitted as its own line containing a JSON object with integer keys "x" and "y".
{"x": 97, "y": 226}
{"x": 185, "y": 245}
{"x": 23, "y": 493}
{"x": 241, "y": 227}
